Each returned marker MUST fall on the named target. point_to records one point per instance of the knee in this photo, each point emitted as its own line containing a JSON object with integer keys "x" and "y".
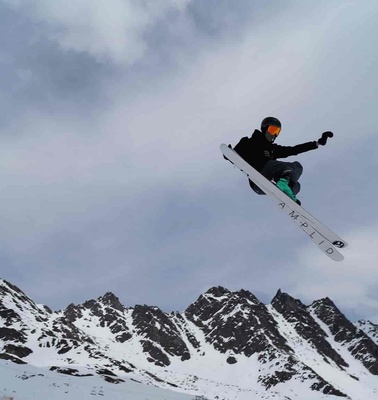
{"x": 298, "y": 167}
{"x": 296, "y": 188}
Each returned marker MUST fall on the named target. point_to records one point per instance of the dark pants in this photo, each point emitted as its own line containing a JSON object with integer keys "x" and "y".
{"x": 275, "y": 170}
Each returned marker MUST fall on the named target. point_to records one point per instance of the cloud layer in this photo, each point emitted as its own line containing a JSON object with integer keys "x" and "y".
{"x": 115, "y": 30}
{"x": 111, "y": 173}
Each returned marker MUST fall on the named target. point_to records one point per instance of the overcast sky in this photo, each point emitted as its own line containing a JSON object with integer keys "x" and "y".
{"x": 111, "y": 177}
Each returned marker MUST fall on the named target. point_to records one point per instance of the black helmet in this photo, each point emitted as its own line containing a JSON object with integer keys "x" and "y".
{"x": 269, "y": 121}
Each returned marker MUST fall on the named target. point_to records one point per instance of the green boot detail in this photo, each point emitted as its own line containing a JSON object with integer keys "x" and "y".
{"x": 283, "y": 185}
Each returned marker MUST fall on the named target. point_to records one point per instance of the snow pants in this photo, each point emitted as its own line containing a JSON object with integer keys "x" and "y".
{"x": 275, "y": 170}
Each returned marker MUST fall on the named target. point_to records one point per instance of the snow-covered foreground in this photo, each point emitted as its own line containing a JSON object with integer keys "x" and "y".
{"x": 26, "y": 382}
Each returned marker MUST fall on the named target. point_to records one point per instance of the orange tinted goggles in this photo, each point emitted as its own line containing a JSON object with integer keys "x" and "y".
{"x": 274, "y": 130}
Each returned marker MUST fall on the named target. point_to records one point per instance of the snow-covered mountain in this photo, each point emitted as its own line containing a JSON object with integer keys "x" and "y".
{"x": 226, "y": 345}
{"x": 369, "y": 328}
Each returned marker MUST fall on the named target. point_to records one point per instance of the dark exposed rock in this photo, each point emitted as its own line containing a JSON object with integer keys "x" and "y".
{"x": 110, "y": 300}
{"x": 369, "y": 328}
{"x": 157, "y": 379}
{"x": 47, "y": 309}
{"x": 156, "y": 355}
{"x": 179, "y": 320}
{"x": 297, "y": 314}
{"x": 5, "y": 356}
{"x": 125, "y": 369}
{"x": 277, "y": 377}
{"x": 108, "y": 310}
{"x": 19, "y": 351}
{"x": 327, "y": 389}
{"x": 21, "y": 301}
{"x": 236, "y": 322}
{"x": 10, "y": 334}
{"x": 109, "y": 376}
{"x": 105, "y": 371}
{"x": 290, "y": 371}
{"x": 360, "y": 345}
{"x": 58, "y": 333}
{"x": 70, "y": 332}
{"x": 156, "y": 327}
{"x": 9, "y": 315}
{"x": 69, "y": 371}
{"x": 73, "y": 313}
{"x": 113, "y": 380}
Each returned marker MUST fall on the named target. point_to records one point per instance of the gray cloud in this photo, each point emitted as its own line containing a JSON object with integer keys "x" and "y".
{"x": 111, "y": 173}
{"x": 113, "y": 31}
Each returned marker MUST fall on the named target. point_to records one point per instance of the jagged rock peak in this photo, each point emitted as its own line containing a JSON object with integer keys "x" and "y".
{"x": 286, "y": 300}
{"x": 295, "y": 312}
{"x": 72, "y": 312}
{"x": 359, "y": 343}
{"x": 327, "y": 311}
{"x": 247, "y": 295}
{"x": 9, "y": 285}
{"x": 110, "y": 299}
{"x": 236, "y": 322}
{"x": 369, "y": 328}
{"x": 7, "y": 288}
{"x": 19, "y": 298}
{"x": 325, "y": 302}
{"x": 217, "y": 298}
{"x": 219, "y": 293}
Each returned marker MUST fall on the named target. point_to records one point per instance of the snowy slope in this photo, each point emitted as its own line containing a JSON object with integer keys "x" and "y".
{"x": 351, "y": 379}
{"x": 26, "y": 382}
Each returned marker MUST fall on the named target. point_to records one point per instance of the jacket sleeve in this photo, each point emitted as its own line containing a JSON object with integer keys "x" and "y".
{"x": 286, "y": 151}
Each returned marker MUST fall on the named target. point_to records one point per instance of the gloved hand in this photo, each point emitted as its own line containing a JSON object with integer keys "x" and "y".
{"x": 323, "y": 140}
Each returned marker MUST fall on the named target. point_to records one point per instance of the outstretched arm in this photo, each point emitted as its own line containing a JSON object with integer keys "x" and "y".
{"x": 287, "y": 151}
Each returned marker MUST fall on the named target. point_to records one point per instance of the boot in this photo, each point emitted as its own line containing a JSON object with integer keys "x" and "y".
{"x": 283, "y": 185}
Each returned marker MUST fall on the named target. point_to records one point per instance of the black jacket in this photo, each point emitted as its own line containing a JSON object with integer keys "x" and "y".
{"x": 254, "y": 149}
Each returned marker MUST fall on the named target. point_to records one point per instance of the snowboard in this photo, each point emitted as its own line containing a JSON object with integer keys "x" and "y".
{"x": 324, "y": 238}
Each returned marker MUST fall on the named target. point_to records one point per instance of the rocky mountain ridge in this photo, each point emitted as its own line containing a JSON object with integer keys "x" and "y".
{"x": 225, "y": 345}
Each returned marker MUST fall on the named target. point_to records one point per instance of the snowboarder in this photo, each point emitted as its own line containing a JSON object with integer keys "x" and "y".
{"x": 262, "y": 153}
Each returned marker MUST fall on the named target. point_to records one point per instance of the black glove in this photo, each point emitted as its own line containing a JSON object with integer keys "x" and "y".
{"x": 323, "y": 140}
